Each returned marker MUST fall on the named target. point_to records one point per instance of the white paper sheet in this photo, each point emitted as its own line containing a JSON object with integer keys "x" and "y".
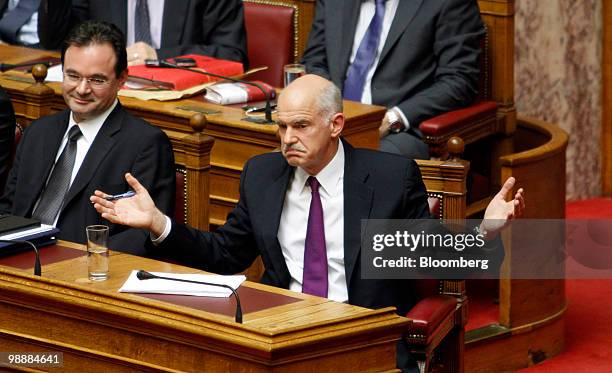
{"x": 159, "y": 286}
{"x": 28, "y": 232}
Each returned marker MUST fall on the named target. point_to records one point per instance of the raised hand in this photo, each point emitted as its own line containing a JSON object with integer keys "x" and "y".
{"x": 500, "y": 212}
{"x": 138, "y": 211}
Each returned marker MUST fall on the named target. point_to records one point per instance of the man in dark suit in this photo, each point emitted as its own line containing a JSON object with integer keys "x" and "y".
{"x": 422, "y": 60}
{"x": 169, "y": 28}
{"x": 7, "y": 135}
{"x": 63, "y": 158}
{"x": 301, "y": 209}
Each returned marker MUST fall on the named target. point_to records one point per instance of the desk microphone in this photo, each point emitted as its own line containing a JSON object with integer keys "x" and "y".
{"x": 37, "y": 267}
{"x": 144, "y": 275}
{"x": 267, "y": 110}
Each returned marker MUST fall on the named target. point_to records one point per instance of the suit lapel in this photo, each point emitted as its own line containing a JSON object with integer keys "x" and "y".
{"x": 102, "y": 145}
{"x": 274, "y": 198}
{"x": 348, "y": 15}
{"x": 118, "y": 8}
{"x": 404, "y": 14}
{"x": 172, "y": 21}
{"x": 357, "y": 205}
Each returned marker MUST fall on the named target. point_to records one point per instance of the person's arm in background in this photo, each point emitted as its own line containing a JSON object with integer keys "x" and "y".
{"x": 7, "y": 135}
{"x": 222, "y": 33}
{"x": 315, "y": 57}
{"x": 155, "y": 168}
{"x": 56, "y": 18}
{"x": 457, "y": 46}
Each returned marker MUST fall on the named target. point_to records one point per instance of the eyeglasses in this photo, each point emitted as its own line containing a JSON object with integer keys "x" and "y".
{"x": 94, "y": 83}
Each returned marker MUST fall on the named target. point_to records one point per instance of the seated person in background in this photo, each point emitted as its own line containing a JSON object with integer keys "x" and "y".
{"x": 63, "y": 158}
{"x": 418, "y": 58}
{"x": 301, "y": 210}
{"x": 7, "y": 135}
{"x": 19, "y": 22}
{"x": 156, "y": 28}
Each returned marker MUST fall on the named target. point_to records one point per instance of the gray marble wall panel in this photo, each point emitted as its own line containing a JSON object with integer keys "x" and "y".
{"x": 558, "y": 79}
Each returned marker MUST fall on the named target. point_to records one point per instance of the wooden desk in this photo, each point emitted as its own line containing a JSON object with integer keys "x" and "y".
{"x": 98, "y": 329}
{"x": 235, "y": 139}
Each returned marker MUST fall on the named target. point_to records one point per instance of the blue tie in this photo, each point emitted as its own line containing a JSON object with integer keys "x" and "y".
{"x": 142, "y": 24}
{"x": 365, "y": 56}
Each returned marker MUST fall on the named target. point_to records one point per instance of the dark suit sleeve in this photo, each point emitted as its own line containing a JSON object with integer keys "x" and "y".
{"x": 315, "y": 56}
{"x": 228, "y": 250}
{"x": 154, "y": 169}
{"x": 458, "y": 32}
{"x": 8, "y": 195}
{"x": 222, "y": 30}
{"x": 7, "y": 135}
{"x": 57, "y": 17}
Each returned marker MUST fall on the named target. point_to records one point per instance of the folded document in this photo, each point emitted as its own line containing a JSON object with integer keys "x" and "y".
{"x": 159, "y": 286}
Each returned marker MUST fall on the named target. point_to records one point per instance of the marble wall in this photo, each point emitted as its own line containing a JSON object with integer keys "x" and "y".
{"x": 558, "y": 79}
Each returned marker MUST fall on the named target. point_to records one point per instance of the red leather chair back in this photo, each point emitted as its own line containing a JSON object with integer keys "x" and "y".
{"x": 271, "y": 34}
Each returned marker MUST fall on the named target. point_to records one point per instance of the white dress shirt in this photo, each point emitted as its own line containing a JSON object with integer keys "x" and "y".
{"x": 294, "y": 221}
{"x": 89, "y": 128}
{"x": 156, "y": 15}
{"x": 366, "y": 14}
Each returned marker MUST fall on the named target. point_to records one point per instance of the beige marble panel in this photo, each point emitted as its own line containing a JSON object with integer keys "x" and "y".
{"x": 558, "y": 78}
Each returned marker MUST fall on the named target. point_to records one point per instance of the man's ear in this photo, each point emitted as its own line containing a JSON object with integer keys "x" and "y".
{"x": 337, "y": 123}
{"x": 123, "y": 77}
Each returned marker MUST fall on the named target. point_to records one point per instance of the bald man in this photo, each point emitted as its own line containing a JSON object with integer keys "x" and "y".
{"x": 317, "y": 177}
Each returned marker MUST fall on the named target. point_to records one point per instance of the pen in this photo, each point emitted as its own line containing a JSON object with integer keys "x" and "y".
{"x": 120, "y": 196}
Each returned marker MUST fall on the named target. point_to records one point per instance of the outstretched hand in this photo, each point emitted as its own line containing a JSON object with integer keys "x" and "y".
{"x": 500, "y": 212}
{"x": 138, "y": 211}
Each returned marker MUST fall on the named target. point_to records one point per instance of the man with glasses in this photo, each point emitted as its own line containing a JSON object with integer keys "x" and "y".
{"x": 64, "y": 157}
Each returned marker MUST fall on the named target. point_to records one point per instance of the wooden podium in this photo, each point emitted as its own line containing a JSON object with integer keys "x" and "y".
{"x": 98, "y": 329}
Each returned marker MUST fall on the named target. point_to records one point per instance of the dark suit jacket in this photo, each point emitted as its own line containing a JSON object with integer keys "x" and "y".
{"x": 370, "y": 191}
{"x": 428, "y": 65}
{"x": 124, "y": 144}
{"x": 7, "y": 135}
{"x": 210, "y": 27}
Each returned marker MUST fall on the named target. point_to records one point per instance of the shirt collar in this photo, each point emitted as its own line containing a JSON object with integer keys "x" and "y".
{"x": 90, "y": 127}
{"x": 329, "y": 176}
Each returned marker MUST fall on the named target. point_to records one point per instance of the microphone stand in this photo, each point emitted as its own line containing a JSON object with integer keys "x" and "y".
{"x": 144, "y": 275}
{"x": 37, "y": 266}
{"x": 268, "y": 109}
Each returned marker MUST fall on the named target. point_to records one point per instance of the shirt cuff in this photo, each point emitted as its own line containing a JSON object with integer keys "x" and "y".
{"x": 402, "y": 116}
{"x": 158, "y": 240}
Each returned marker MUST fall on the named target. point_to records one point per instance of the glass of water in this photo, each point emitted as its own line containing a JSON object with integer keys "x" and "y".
{"x": 293, "y": 71}
{"x": 97, "y": 252}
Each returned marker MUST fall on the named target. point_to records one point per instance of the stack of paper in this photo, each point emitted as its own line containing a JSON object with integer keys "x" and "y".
{"x": 159, "y": 286}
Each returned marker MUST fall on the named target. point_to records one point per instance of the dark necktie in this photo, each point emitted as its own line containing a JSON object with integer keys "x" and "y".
{"x": 142, "y": 24}
{"x": 13, "y": 20}
{"x": 365, "y": 56}
{"x": 53, "y": 195}
{"x": 315, "y": 253}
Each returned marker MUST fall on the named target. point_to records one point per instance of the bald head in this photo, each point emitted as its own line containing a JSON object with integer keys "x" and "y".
{"x": 314, "y": 92}
{"x": 310, "y": 121}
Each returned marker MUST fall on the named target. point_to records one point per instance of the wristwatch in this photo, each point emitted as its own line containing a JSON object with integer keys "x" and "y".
{"x": 395, "y": 122}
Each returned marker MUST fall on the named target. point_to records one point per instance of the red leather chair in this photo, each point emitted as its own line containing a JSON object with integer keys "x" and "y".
{"x": 471, "y": 123}
{"x": 437, "y": 334}
{"x": 271, "y": 28}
